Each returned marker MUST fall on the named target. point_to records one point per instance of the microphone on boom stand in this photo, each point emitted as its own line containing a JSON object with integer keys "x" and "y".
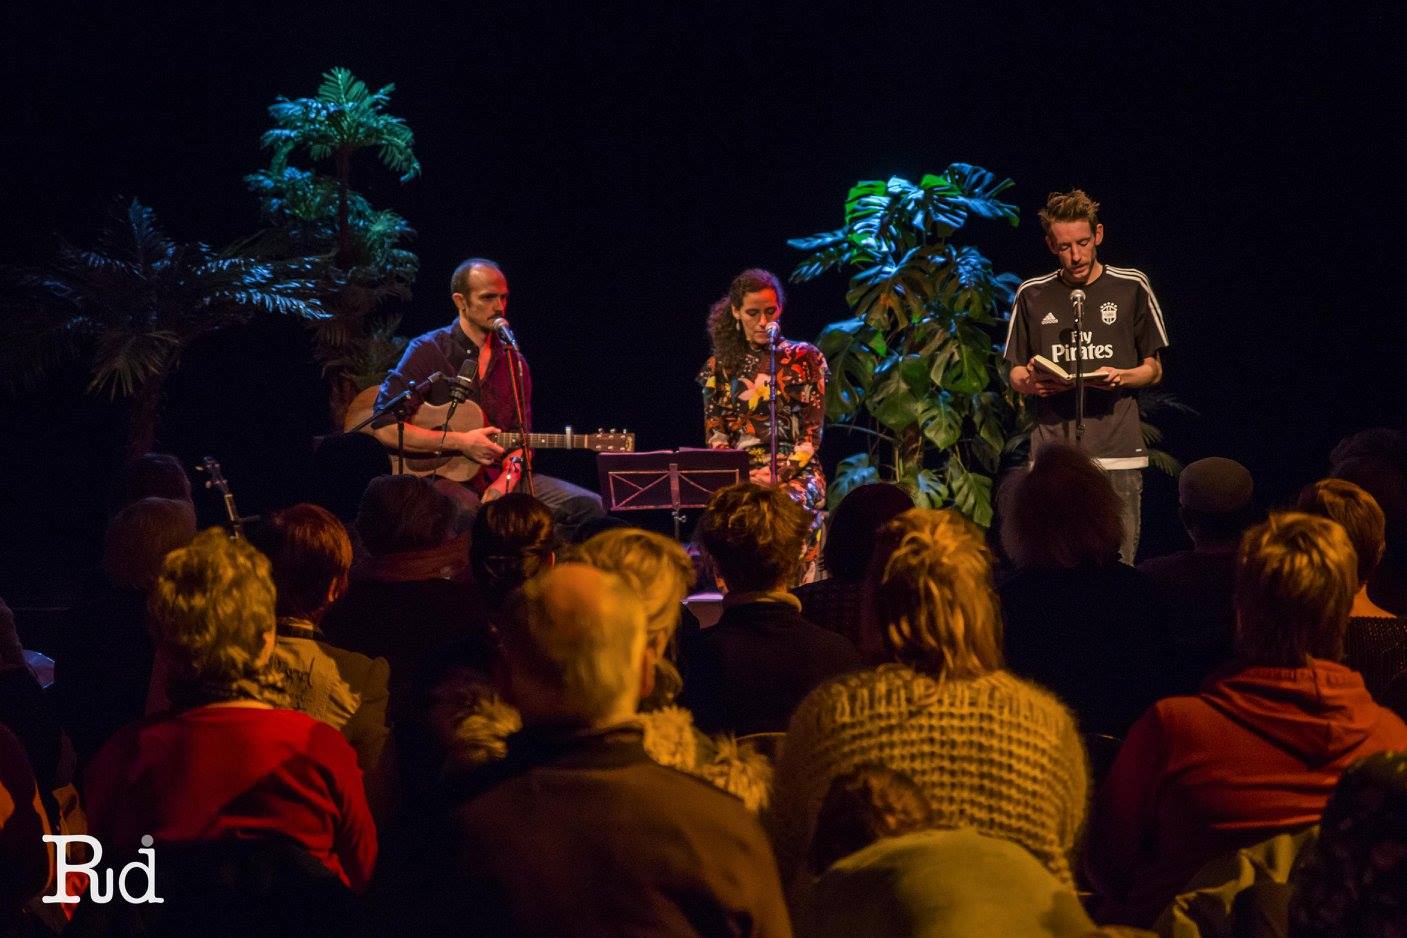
{"x": 1077, "y": 300}
{"x": 500, "y": 325}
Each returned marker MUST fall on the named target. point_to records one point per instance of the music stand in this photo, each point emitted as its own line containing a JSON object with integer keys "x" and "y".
{"x": 672, "y": 479}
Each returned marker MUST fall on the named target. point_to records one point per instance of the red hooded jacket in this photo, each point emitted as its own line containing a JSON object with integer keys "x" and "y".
{"x": 1256, "y": 752}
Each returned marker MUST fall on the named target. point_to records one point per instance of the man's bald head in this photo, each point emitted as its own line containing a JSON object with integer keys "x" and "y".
{"x": 575, "y": 643}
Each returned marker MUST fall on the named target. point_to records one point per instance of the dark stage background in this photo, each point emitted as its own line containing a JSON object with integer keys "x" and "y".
{"x": 623, "y": 161}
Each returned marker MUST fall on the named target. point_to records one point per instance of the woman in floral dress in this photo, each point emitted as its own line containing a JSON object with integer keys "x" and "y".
{"x": 737, "y": 391}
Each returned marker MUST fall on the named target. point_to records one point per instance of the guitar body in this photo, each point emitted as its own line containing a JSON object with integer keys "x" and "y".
{"x": 453, "y": 466}
{"x": 468, "y": 416}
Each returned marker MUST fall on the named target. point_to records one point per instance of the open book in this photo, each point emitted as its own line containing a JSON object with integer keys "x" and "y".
{"x": 1050, "y": 368}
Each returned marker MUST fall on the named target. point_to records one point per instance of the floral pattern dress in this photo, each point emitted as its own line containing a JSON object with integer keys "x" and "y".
{"x": 737, "y": 415}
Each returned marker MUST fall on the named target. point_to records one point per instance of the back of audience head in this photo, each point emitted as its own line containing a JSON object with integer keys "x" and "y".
{"x": 154, "y": 475}
{"x": 594, "y": 526}
{"x": 574, "y": 649}
{"x": 1354, "y": 509}
{"x": 310, "y": 554}
{"x": 1387, "y": 483}
{"x": 1215, "y": 500}
{"x": 866, "y": 804}
{"x": 343, "y": 465}
{"x": 656, "y": 568}
{"x": 1349, "y": 881}
{"x": 403, "y": 513}
{"x": 851, "y": 532}
{"x": 1296, "y": 575}
{"x": 1382, "y": 444}
{"x": 141, "y": 535}
{"x": 754, "y": 535}
{"x": 513, "y": 539}
{"x": 1063, "y": 513}
{"x": 933, "y": 595}
{"x": 212, "y": 619}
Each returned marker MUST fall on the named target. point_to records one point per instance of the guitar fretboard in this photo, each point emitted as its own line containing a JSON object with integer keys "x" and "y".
{"x": 548, "y": 440}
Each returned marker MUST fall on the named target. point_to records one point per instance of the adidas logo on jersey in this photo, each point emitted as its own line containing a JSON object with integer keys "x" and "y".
{"x": 1050, "y": 320}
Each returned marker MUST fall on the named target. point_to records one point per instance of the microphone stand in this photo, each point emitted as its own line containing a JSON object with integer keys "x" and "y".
{"x": 398, "y": 406}
{"x": 515, "y": 378}
{"x": 772, "y": 401}
{"x": 1078, "y": 299}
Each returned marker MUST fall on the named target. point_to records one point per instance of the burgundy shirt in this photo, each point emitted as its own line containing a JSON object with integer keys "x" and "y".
{"x": 445, "y": 350}
{"x": 233, "y": 772}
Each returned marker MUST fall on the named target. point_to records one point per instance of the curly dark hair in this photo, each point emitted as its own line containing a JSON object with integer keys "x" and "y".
{"x": 1349, "y": 881}
{"x": 513, "y": 539}
{"x": 729, "y": 344}
{"x": 754, "y": 534}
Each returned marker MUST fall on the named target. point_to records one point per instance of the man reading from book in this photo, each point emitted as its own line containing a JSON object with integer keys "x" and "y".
{"x": 1122, "y": 332}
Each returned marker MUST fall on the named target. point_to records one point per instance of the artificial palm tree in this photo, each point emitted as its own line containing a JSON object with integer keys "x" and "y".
{"x": 312, "y": 215}
{"x": 133, "y": 303}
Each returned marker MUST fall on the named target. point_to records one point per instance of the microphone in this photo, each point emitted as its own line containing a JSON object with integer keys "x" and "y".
{"x": 500, "y": 325}
{"x": 1077, "y": 299}
{"x": 774, "y": 332}
{"x": 461, "y": 385}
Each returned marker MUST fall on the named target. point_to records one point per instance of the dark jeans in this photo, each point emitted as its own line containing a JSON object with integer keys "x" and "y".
{"x": 1128, "y": 485}
{"x": 571, "y": 505}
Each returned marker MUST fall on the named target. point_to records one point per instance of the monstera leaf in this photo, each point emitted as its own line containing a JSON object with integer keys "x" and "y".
{"x": 914, "y": 367}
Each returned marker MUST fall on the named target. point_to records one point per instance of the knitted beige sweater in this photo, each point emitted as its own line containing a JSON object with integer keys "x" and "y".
{"x": 996, "y": 754}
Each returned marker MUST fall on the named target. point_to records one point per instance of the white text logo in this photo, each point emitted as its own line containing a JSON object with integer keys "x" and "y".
{"x": 95, "y": 883}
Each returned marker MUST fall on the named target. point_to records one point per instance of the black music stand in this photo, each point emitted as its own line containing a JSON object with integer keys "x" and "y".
{"x": 668, "y": 479}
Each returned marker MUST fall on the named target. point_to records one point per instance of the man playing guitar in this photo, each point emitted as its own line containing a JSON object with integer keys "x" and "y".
{"x": 479, "y": 291}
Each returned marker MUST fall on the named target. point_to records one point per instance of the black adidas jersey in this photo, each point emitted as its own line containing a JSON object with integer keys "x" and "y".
{"x": 1122, "y": 325}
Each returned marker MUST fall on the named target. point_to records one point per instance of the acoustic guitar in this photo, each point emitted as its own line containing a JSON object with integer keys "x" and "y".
{"x": 468, "y": 416}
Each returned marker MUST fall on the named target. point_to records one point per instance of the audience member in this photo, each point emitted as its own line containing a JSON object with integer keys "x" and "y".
{"x": 1259, "y": 749}
{"x": 1376, "y": 460}
{"x": 1350, "y": 881}
{"x": 659, "y": 571}
{"x": 838, "y": 602}
{"x": 513, "y": 539}
{"x": 1375, "y": 643}
{"x": 343, "y": 466}
{"x": 458, "y": 715}
{"x": 103, "y": 669}
{"x": 1077, "y": 620}
{"x": 747, "y": 673}
{"x": 884, "y": 871}
{"x": 311, "y": 554}
{"x": 403, "y": 604}
{"x": 576, "y": 830}
{"x": 153, "y": 475}
{"x": 1195, "y": 586}
{"x": 477, "y": 721}
{"x": 989, "y": 750}
{"x": 225, "y": 763}
{"x": 594, "y": 526}
{"x": 26, "y": 861}
{"x": 866, "y": 804}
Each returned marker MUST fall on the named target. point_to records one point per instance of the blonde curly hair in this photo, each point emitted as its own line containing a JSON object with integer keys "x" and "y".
{"x": 933, "y": 595}
{"x": 212, "y": 612}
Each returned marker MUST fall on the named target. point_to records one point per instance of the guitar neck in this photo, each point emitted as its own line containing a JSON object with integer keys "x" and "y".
{"x": 545, "y": 440}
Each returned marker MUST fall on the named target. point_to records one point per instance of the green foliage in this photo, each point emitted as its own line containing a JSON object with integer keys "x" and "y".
{"x": 133, "y": 302}
{"x": 915, "y": 367}
{"x": 344, "y": 117}
{"x": 355, "y": 252}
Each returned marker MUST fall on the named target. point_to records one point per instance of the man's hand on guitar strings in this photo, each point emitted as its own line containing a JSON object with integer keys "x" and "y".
{"x": 479, "y": 445}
